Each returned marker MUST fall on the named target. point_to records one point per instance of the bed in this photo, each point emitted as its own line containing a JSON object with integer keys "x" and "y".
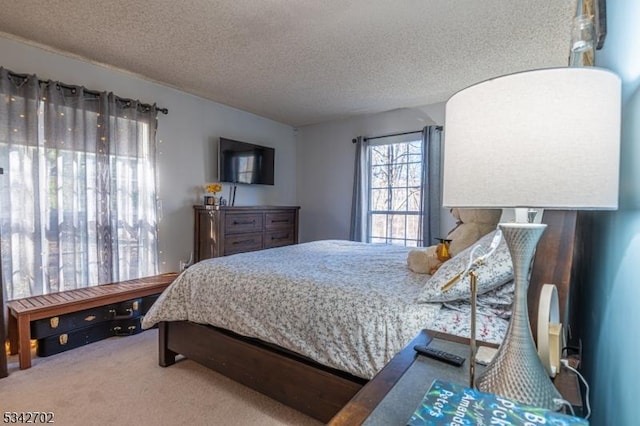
{"x": 279, "y": 333}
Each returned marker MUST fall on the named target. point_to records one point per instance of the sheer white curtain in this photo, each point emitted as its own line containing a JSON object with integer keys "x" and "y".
{"x": 78, "y": 200}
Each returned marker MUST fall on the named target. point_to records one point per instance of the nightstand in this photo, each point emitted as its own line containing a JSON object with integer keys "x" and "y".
{"x": 393, "y": 394}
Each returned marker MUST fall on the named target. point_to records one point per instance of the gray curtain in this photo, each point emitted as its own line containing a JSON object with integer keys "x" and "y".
{"x": 360, "y": 199}
{"x": 431, "y": 180}
{"x": 78, "y": 199}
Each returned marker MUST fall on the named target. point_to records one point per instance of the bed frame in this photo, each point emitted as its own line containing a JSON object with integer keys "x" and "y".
{"x": 321, "y": 392}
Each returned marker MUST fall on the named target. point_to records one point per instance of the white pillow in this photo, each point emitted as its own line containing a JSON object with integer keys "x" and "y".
{"x": 496, "y": 270}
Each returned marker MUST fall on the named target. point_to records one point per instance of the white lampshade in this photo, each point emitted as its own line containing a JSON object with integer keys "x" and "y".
{"x": 547, "y": 138}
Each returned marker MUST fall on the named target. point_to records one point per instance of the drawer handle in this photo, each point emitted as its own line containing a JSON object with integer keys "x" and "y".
{"x": 128, "y": 332}
{"x": 252, "y": 222}
{"x": 114, "y": 314}
{"x": 243, "y": 242}
{"x": 286, "y": 237}
{"x": 280, "y": 220}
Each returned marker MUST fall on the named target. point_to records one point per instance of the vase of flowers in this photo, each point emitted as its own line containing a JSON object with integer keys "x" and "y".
{"x": 211, "y": 190}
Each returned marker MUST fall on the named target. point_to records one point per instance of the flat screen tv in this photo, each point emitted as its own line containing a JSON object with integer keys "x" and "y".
{"x": 242, "y": 162}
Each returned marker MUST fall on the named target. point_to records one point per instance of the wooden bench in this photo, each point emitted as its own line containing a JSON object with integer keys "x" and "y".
{"x": 23, "y": 311}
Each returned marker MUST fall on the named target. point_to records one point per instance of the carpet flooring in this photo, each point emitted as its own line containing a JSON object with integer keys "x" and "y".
{"x": 119, "y": 381}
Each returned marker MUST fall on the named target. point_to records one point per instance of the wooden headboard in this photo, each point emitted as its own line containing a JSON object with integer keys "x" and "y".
{"x": 557, "y": 262}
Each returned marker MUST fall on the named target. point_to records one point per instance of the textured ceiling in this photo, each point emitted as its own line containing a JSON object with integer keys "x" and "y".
{"x": 304, "y": 62}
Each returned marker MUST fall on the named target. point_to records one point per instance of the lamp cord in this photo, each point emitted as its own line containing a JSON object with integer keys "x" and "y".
{"x": 565, "y": 363}
{"x": 566, "y": 404}
{"x": 475, "y": 262}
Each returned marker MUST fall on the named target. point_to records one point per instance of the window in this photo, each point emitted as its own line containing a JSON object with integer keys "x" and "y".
{"x": 395, "y": 192}
{"x": 78, "y": 198}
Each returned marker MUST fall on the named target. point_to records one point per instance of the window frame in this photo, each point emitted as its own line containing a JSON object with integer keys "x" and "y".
{"x": 416, "y": 187}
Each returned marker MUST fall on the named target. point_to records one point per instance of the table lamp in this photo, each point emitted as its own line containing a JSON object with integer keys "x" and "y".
{"x": 547, "y": 138}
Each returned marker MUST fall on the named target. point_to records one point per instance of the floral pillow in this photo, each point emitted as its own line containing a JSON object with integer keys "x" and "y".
{"x": 495, "y": 271}
{"x": 496, "y": 302}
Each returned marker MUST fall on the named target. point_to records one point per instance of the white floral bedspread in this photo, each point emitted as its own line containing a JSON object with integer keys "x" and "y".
{"x": 346, "y": 305}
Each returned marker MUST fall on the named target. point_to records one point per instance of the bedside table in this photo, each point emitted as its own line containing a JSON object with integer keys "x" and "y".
{"x": 394, "y": 393}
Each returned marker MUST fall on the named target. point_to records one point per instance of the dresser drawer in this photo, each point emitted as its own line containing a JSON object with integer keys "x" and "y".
{"x": 238, "y": 243}
{"x": 246, "y": 222}
{"x": 280, "y": 220}
{"x": 279, "y": 238}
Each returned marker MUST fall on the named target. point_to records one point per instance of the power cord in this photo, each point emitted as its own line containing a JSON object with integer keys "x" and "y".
{"x": 566, "y": 350}
{"x": 476, "y": 261}
{"x": 565, "y": 363}
{"x": 565, "y": 403}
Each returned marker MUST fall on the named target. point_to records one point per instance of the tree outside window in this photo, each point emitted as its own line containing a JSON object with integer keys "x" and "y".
{"x": 395, "y": 193}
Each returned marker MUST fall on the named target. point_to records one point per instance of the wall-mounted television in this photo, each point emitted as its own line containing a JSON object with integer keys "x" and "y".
{"x": 242, "y": 162}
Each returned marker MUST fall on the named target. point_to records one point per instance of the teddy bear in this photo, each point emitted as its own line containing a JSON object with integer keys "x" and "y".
{"x": 471, "y": 225}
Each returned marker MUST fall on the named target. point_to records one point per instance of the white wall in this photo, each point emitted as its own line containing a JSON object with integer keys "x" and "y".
{"x": 188, "y": 137}
{"x": 326, "y": 165}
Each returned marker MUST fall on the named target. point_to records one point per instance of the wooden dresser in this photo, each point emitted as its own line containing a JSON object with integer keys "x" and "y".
{"x": 224, "y": 230}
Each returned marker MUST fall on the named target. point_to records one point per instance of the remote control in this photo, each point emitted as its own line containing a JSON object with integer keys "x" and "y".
{"x": 443, "y": 356}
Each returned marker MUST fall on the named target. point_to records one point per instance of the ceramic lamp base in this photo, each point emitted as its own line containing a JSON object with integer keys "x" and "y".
{"x": 516, "y": 371}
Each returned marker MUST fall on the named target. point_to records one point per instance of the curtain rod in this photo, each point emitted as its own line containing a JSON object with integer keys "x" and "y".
{"x": 394, "y": 134}
{"x": 91, "y": 92}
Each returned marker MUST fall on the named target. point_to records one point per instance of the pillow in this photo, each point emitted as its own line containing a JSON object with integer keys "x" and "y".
{"x": 496, "y": 302}
{"x": 496, "y": 270}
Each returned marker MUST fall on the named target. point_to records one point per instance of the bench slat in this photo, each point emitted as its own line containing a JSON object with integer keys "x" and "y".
{"x": 40, "y": 302}
{"x": 50, "y": 298}
{"x": 64, "y": 296}
{"x": 81, "y": 293}
{"x": 58, "y": 299}
{"x": 30, "y": 304}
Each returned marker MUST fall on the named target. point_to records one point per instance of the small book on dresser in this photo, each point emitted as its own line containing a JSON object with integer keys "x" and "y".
{"x": 451, "y": 404}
